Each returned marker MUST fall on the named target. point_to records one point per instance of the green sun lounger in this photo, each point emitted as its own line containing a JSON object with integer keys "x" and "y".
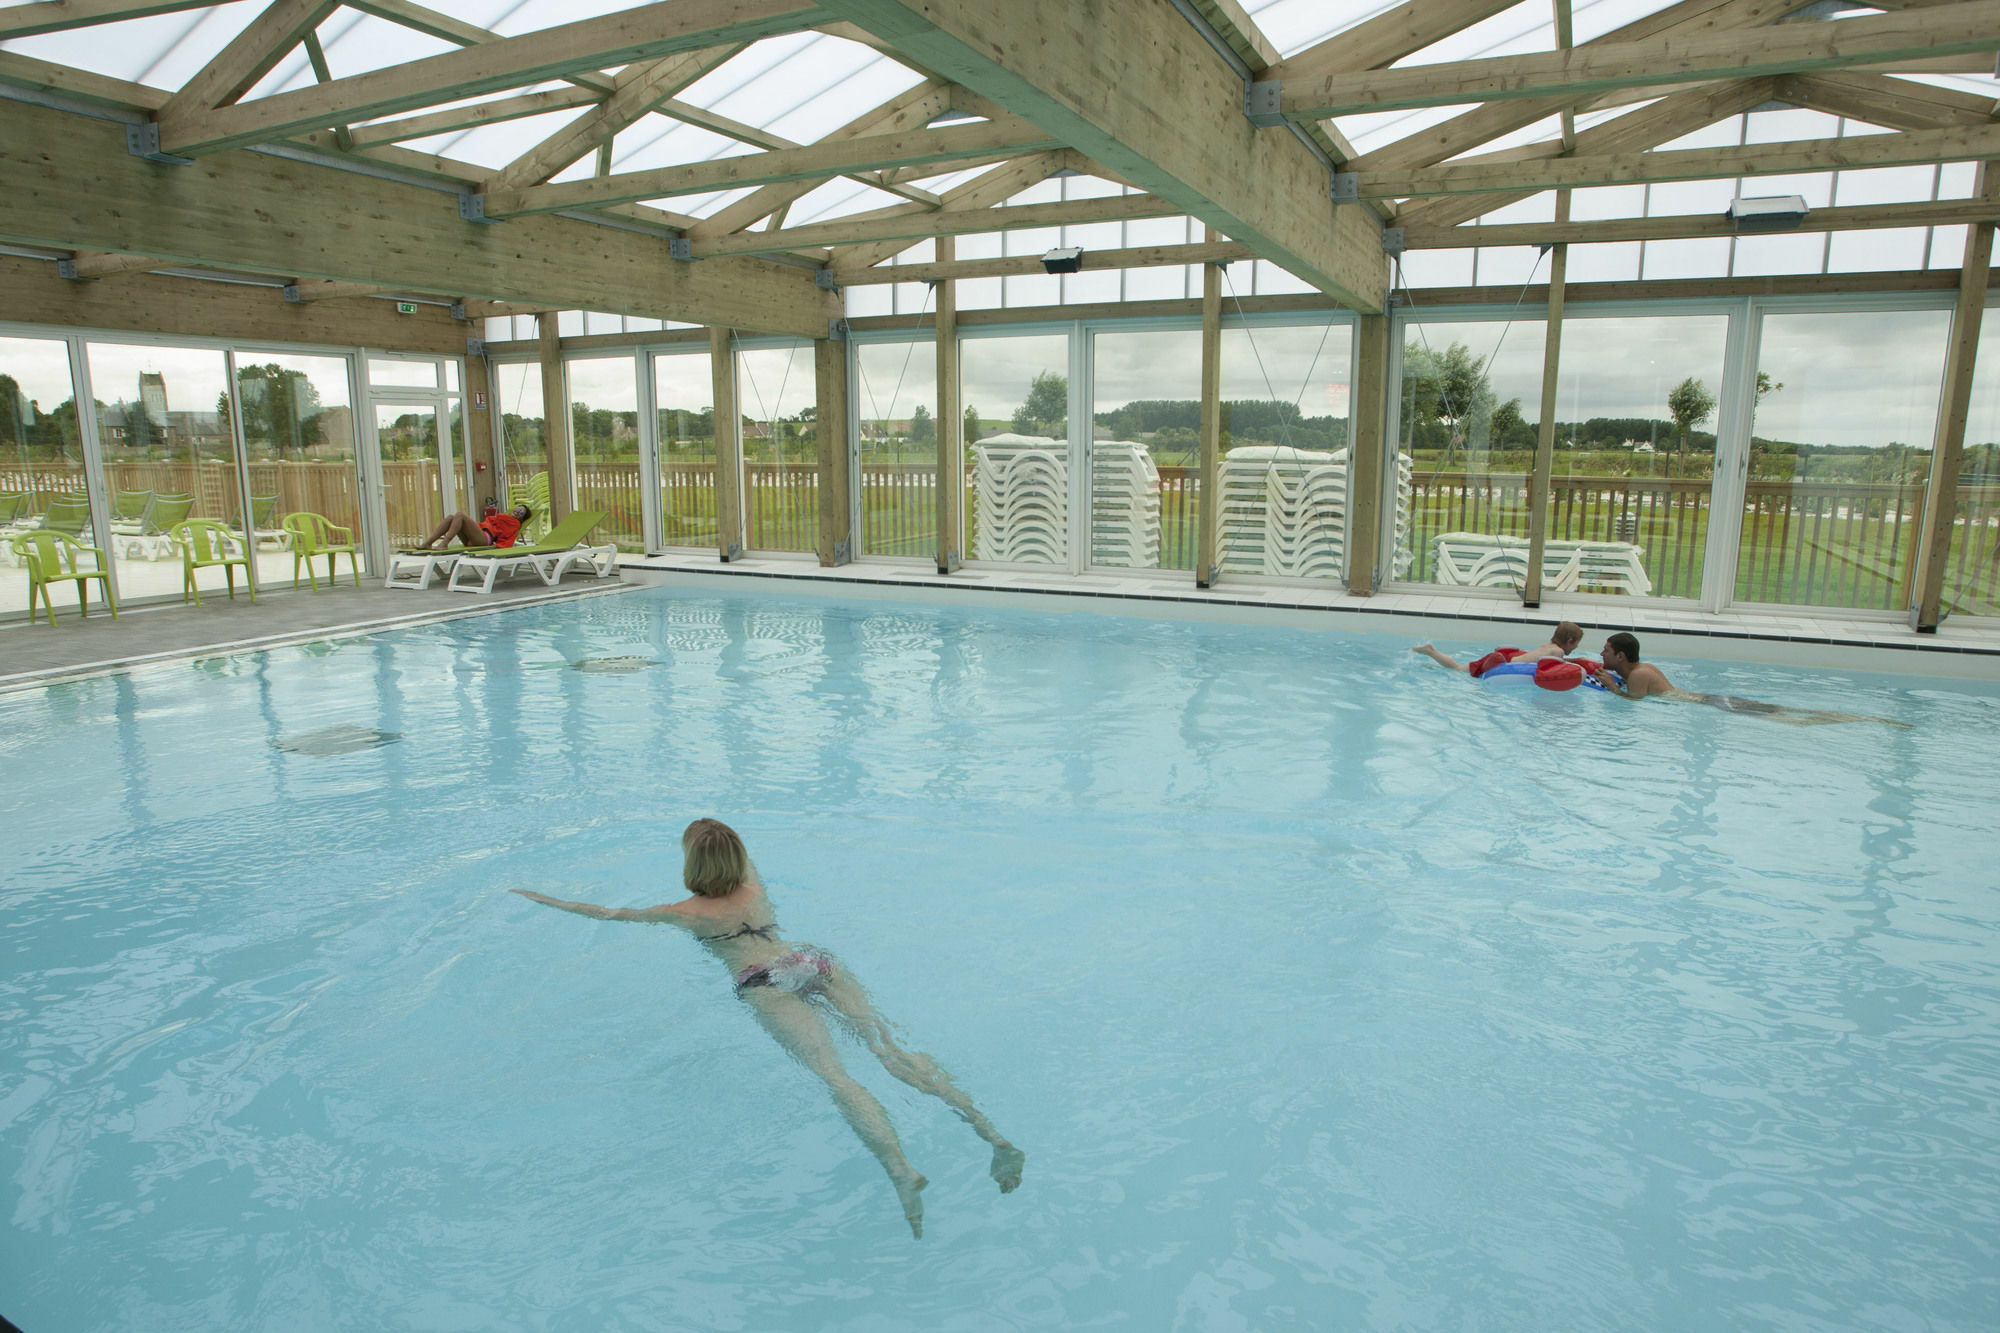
{"x": 552, "y": 557}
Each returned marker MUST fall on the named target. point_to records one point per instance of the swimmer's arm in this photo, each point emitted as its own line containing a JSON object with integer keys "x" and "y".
{"x": 664, "y": 912}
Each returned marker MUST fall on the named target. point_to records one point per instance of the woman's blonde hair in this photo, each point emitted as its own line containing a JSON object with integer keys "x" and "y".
{"x": 716, "y": 860}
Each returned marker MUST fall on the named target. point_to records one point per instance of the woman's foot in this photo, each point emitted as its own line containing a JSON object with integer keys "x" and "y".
{"x": 910, "y": 1190}
{"x": 1007, "y": 1160}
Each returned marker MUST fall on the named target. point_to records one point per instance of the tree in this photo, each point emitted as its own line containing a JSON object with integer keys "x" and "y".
{"x": 1765, "y": 385}
{"x": 1451, "y": 390}
{"x": 971, "y": 426}
{"x": 1047, "y": 410}
{"x": 922, "y": 428}
{"x": 1690, "y": 404}
{"x": 1508, "y": 421}
{"x": 281, "y": 407}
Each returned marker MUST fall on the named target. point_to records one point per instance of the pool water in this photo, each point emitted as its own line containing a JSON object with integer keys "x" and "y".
{"x": 1323, "y": 989}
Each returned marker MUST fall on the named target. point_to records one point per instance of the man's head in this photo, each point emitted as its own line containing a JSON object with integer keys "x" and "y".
{"x": 1621, "y": 652}
{"x": 1567, "y": 637}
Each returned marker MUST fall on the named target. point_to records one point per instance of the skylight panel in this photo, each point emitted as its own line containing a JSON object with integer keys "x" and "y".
{"x": 162, "y": 51}
{"x": 839, "y": 198}
{"x": 494, "y": 146}
{"x": 851, "y": 83}
{"x": 512, "y": 18}
{"x": 660, "y": 141}
{"x": 1873, "y": 251}
{"x": 742, "y": 71}
{"x": 1379, "y": 129}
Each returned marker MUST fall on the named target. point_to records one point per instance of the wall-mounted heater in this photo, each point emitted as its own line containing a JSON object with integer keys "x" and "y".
{"x": 1777, "y": 212}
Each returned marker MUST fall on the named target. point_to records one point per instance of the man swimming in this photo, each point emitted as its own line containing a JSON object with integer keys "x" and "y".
{"x": 1562, "y": 642}
{"x": 1624, "y": 675}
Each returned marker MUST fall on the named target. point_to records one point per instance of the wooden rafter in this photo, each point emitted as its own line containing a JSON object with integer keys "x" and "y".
{"x": 1601, "y": 67}
{"x": 644, "y": 33}
{"x": 1136, "y": 87}
{"x": 248, "y": 57}
{"x": 635, "y": 91}
{"x": 1868, "y": 150}
{"x": 1138, "y": 256}
{"x": 419, "y": 18}
{"x": 916, "y": 226}
{"x": 494, "y": 112}
{"x": 1861, "y": 217}
{"x": 1900, "y": 104}
{"x": 66, "y": 15}
{"x": 1383, "y": 40}
{"x": 978, "y": 195}
{"x": 92, "y": 264}
{"x": 984, "y": 141}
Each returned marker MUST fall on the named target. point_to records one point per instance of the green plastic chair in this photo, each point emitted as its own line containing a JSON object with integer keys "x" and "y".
{"x": 206, "y": 544}
{"x": 155, "y": 534}
{"x": 315, "y": 534}
{"x": 533, "y": 493}
{"x": 51, "y": 557}
{"x": 68, "y": 515}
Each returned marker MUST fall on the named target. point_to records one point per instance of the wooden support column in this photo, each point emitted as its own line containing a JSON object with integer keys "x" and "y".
{"x": 1948, "y": 447}
{"x": 1545, "y": 444}
{"x": 1208, "y": 554}
{"x": 1368, "y": 454}
{"x": 555, "y": 417}
{"x": 728, "y": 445}
{"x": 950, "y": 425}
{"x": 478, "y": 415}
{"x": 836, "y": 494}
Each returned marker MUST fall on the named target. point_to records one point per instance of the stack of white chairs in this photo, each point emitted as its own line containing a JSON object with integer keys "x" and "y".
{"x": 1020, "y": 490}
{"x": 1124, "y": 505}
{"x": 1405, "y": 557}
{"x": 1480, "y": 560}
{"x": 1284, "y": 511}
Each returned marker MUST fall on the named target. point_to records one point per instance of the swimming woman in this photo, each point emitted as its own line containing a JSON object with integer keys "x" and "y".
{"x": 792, "y": 988}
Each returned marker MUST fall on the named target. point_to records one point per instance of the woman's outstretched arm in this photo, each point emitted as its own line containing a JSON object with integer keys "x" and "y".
{"x": 663, "y": 912}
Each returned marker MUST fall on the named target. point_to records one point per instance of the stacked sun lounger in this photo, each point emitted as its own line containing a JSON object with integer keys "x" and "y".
{"x": 1284, "y": 511}
{"x": 1479, "y": 560}
{"x": 1020, "y": 489}
{"x": 1124, "y": 505}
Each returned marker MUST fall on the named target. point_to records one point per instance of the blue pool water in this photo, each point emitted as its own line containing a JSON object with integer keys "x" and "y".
{"x": 1322, "y": 988}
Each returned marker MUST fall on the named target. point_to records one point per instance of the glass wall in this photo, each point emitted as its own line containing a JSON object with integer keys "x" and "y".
{"x": 523, "y": 444}
{"x": 1637, "y": 402}
{"x": 1284, "y": 474}
{"x": 1839, "y": 456}
{"x": 1972, "y": 564}
{"x": 1145, "y": 444}
{"x": 1464, "y": 436}
{"x": 604, "y": 446}
{"x": 41, "y": 457}
{"x": 777, "y": 392}
{"x": 683, "y": 401}
{"x": 896, "y": 401}
{"x": 1016, "y": 438}
{"x": 169, "y": 450}
{"x": 298, "y": 435}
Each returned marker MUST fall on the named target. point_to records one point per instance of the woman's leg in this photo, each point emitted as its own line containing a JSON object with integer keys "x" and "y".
{"x": 794, "y": 1025}
{"x": 920, "y": 1071}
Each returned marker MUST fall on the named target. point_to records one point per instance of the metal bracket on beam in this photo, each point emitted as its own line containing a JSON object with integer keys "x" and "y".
{"x": 824, "y": 280}
{"x": 1392, "y": 240}
{"x": 143, "y": 140}
{"x": 836, "y": 329}
{"x": 1261, "y": 104}
{"x": 458, "y": 310}
{"x": 475, "y": 347}
{"x": 1346, "y": 187}
{"x": 733, "y": 551}
{"x": 66, "y": 268}
{"x": 843, "y": 552}
{"x": 952, "y": 564}
{"x": 681, "y": 248}
{"x": 472, "y": 208}
{"x": 292, "y": 294}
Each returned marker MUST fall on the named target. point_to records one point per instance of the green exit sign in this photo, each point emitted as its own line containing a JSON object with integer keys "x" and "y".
{"x": 406, "y": 307}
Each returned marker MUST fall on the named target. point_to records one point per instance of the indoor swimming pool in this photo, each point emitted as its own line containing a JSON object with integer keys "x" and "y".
{"x": 1324, "y": 989}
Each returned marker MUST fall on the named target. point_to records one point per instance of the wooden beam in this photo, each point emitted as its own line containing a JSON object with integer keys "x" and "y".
{"x": 93, "y": 264}
{"x": 1858, "y": 217}
{"x": 479, "y": 418}
{"x": 980, "y": 142}
{"x": 259, "y": 211}
{"x": 914, "y": 226}
{"x": 836, "y": 494}
{"x": 981, "y": 193}
{"x": 494, "y": 112}
{"x": 1868, "y": 150}
{"x": 555, "y": 416}
{"x": 636, "y": 90}
{"x": 1881, "y": 100}
{"x": 248, "y": 57}
{"x": 950, "y": 425}
{"x": 645, "y": 33}
{"x": 1599, "y": 67}
{"x": 1368, "y": 454}
{"x": 1948, "y": 444}
{"x": 1095, "y": 77}
{"x": 44, "y": 76}
{"x": 1383, "y": 40}
{"x": 65, "y": 15}
{"x": 1208, "y": 531}
{"x": 910, "y": 110}
{"x": 1545, "y": 440}
{"x": 1138, "y": 256}
{"x": 418, "y": 18}
{"x": 728, "y": 445}
{"x": 316, "y": 290}
{"x": 31, "y": 292}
